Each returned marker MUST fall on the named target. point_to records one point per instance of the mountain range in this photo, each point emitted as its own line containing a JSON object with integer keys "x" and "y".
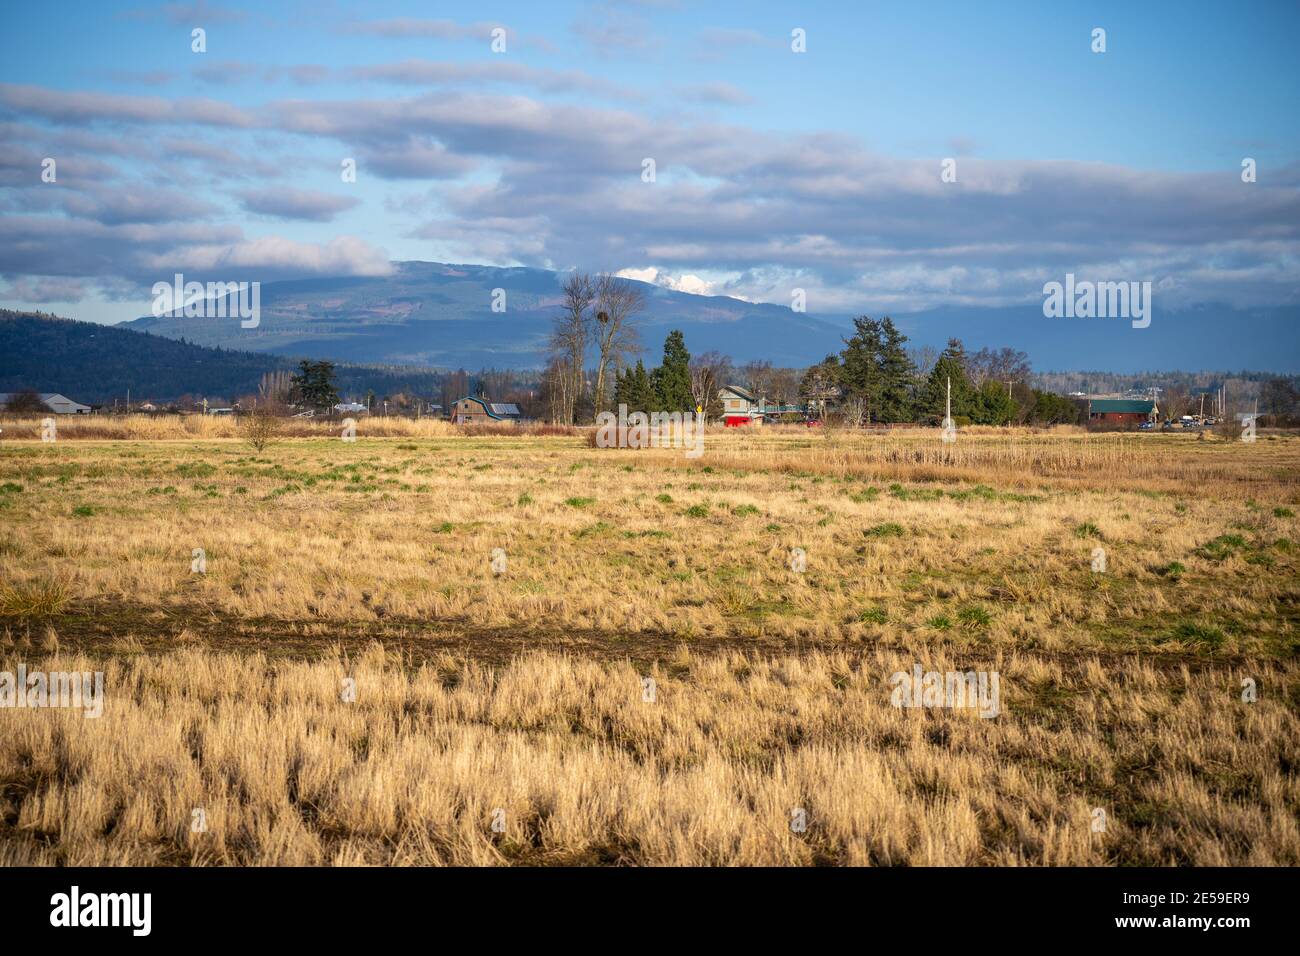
{"x": 441, "y": 315}
{"x": 99, "y": 364}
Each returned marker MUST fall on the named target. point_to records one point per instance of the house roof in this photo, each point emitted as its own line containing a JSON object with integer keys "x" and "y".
{"x": 1124, "y": 405}
{"x": 495, "y": 409}
{"x": 52, "y": 399}
{"x": 744, "y": 393}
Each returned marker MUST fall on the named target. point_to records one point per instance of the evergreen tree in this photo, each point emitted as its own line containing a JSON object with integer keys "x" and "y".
{"x": 951, "y": 365}
{"x": 313, "y": 385}
{"x": 993, "y": 405}
{"x": 621, "y": 387}
{"x": 897, "y": 375}
{"x": 860, "y": 375}
{"x": 672, "y": 380}
{"x": 633, "y": 389}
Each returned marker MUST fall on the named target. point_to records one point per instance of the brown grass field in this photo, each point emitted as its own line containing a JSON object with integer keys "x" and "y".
{"x": 502, "y": 718}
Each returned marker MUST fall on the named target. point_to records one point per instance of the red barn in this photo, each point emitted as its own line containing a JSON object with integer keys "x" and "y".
{"x": 1121, "y": 411}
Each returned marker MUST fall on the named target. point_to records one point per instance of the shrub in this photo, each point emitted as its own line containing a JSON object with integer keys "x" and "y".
{"x": 259, "y": 428}
{"x": 39, "y": 599}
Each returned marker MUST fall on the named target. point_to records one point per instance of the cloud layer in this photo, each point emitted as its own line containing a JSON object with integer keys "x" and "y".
{"x": 505, "y": 162}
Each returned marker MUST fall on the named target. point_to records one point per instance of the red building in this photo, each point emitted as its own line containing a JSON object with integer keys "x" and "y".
{"x": 1122, "y": 411}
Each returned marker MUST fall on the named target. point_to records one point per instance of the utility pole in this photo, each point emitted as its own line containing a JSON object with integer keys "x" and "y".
{"x": 947, "y": 412}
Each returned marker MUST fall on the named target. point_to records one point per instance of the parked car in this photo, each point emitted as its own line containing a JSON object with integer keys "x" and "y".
{"x": 1147, "y": 426}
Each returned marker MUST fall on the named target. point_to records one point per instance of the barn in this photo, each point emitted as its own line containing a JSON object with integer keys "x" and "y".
{"x": 1121, "y": 411}
{"x": 479, "y": 411}
{"x": 58, "y": 404}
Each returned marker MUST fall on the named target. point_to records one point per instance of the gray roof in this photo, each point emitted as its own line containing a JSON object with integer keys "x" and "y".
{"x": 58, "y": 403}
{"x": 742, "y": 392}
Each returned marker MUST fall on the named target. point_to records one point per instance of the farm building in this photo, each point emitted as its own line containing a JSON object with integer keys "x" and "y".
{"x": 741, "y": 407}
{"x": 478, "y": 411}
{"x": 1122, "y": 411}
{"x": 59, "y": 404}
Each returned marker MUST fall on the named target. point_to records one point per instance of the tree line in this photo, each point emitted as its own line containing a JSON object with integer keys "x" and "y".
{"x": 876, "y": 379}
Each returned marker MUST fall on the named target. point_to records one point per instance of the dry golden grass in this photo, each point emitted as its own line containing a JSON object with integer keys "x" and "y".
{"x": 190, "y": 427}
{"x": 1121, "y": 689}
{"x": 651, "y": 543}
{"x": 710, "y": 772}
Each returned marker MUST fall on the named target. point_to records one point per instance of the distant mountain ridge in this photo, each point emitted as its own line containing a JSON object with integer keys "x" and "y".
{"x": 440, "y": 315}
{"x": 96, "y": 364}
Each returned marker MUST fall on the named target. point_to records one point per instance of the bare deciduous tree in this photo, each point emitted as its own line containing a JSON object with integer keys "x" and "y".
{"x": 923, "y": 357}
{"x": 569, "y": 341}
{"x": 998, "y": 365}
{"x": 783, "y": 386}
{"x": 709, "y": 372}
{"x": 617, "y": 302}
{"x": 757, "y": 377}
{"x": 274, "y": 387}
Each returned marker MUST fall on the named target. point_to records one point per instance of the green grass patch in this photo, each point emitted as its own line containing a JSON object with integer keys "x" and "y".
{"x": 874, "y": 615}
{"x": 1173, "y": 570}
{"x": 974, "y": 618}
{"x": 889, "y": 529}
{"x": 1191, "y": 632}
{"x": 1222, "y": 547}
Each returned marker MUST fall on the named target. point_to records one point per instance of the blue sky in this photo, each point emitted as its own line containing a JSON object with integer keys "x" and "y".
{"x": 775, "y": 169}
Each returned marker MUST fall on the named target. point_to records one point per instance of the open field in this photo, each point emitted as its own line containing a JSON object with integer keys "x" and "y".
{"x": 522, "y": 691}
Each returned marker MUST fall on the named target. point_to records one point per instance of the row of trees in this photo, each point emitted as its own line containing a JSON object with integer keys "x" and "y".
{"x": 876, "y": 378}
{"x": 597, "y": 321}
